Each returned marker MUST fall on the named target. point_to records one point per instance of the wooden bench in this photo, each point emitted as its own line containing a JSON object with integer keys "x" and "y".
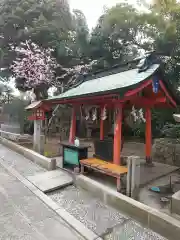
{"x": 105, "y": 168}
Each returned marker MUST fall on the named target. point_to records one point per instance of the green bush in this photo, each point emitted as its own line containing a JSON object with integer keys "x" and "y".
{"x": 171, "y": 131}
{"x": 138, "y": 130}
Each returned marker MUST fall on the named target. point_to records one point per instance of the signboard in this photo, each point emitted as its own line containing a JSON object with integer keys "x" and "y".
{"x": 38, "y": 115}
{"x": 71, "y": 156}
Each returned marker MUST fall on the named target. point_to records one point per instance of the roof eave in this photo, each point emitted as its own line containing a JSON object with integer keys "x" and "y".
{"x": 100, "y": 94}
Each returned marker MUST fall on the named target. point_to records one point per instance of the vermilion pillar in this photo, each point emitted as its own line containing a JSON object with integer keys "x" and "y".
{"x": 148, "y": 136}
{"x": 102, "y": 125}
{"x": 117, "y": 136}
{"x": 73, "y": 126}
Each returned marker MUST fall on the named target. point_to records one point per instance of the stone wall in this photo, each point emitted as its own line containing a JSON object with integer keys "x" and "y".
{"x": 12, "y": 128}
{"x": 16, "y": 137}
{"x": 167, "y": 151}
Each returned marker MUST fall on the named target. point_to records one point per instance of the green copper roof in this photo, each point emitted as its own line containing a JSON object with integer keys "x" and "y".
{"x": 110, "y": 83}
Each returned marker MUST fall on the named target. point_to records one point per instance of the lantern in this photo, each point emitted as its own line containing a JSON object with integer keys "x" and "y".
{"x": 38, "y": 114}
{"x": 38, "y": 110}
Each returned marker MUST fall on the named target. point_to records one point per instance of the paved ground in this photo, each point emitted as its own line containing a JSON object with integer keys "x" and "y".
{"x": 148, "y": 174}
{"x": 153, "y": 199}
{"x": 23, "y": 165}
{"x": 51, "y": 180}
{"x": 24, "y": 216}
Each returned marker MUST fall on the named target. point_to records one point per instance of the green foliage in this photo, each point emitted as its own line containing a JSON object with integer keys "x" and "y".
{"x": 138, "y": 130}
{"x": 73, "y": 49}
{"x": 113, "y": 38}
{"x": 46, "y": 24}
{"x": 121, "y": 22}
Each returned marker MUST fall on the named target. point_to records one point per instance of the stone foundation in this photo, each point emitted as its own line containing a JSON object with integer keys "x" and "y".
{"x": 175, "y": 206}
{"x": 15, "y": 137}
{"x": 12, "y": 128}
{"x": 167, "y": 151}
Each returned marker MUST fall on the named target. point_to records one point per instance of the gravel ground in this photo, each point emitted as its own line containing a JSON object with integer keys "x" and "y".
{"x": 99, "y": 217}
{"x": 90, "y": 211}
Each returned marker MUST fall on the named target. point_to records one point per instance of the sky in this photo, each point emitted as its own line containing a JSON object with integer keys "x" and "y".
{"x": 93, "y": 9}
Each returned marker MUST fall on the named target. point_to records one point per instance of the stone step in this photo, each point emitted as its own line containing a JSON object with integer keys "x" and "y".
{"x": 51, "y": 180}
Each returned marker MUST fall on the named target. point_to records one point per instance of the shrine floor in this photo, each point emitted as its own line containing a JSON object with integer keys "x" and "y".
{"x": 87, "y": 209}
{"x": 161, "y": 201}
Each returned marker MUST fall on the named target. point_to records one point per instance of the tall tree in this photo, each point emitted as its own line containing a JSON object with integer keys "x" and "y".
{"x": 74, "y": 49}
{"x": 81, "y": 35}
{"x": 114, "y": 39}
{"x": 45, "y": 22}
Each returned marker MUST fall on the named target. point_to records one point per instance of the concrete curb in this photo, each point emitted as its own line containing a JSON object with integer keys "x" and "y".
{"x": 157, "y": 221}
{"x": 47, "y": 163}
{"x": 175, "y": 204}
{"x": 72, "y": 221}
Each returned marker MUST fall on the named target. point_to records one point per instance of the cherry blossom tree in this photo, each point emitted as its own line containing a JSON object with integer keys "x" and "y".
{"x": 34, "y": 68}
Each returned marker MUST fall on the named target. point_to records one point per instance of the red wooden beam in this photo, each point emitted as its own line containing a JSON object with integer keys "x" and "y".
{"x": 167, "y": 94}
{"x": 73, "y": 127}
{"x": 102, "y": 125}
{"x": 138, "y": 89}
{"x": 83, "y": 99}
{"x": 118, "y": 136}
{"x": 147, "y": 101}
{"x": 108, "y": 102}
{"x": 101, "y": 102}
{"x": 113, "y": 99}
{"x": 134, "y": 100}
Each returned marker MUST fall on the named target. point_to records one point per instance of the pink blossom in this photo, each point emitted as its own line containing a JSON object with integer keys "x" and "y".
{"x": 34, "y": 64}
{"x": 37, "y": 67}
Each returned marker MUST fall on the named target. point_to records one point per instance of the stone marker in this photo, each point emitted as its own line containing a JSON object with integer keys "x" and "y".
{"x": 37, "y": 136}
{"x": 128, "y": 182}
{"x": 133, "y": 176}
{"x": 135, "y": 179}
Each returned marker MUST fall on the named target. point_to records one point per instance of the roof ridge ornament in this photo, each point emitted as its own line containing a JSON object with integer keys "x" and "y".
{"x": 147, "y": 61}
